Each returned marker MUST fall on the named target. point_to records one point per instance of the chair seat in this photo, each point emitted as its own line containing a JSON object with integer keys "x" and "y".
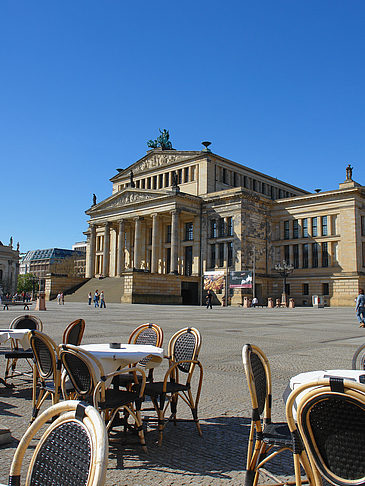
{"x": 19, "y": 353}
{"x": 155, "y": 388}
{"x": 277, "y": 434}
{"x": 125, "y": 379}
{"x": 118, "y": 398}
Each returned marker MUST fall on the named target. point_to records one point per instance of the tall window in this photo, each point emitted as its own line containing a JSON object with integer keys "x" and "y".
{"x": 168, "y": 260}
{"x": 315, "y": 255}
{"x": 324, "y": 226}
{"x": 229, "y": 227}
{"x": 296, "y": 256}
{"x": 305, "y": 255}
{"x": 305, "y": 289}
{"x": 314, "y": 227}
{"x": 221, "y": 255}
{"x": 325, "y": 289}
{"x": 295, "y": 228}
{"x": 221, "y": 228}
{"x": 212, "y": 256}
{"x": 287, "y": 289}
{"x": 160, "y": 181}
{"x": 230, "y": 253}
{"x": 225, "y": 176}
{"x": 286, "y": 253}
{"x": 235, "y": 179}
{"x": 325, "y": 254}
{"x": 168, "y": 233}
{"x": 286, "y": 230}
{"x": 189, "y": 231}
{"x": 150, "y": 236}
{"x": 213, "y": 228}
{"x": 186, "y": 174}
{"x": 167, "y": 179}
{"x": 179, "y": 176}
{"x": 188, "y": 267}
{"x": 305, "y": 227}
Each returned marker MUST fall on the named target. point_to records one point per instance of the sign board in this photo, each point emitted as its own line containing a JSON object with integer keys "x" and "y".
{"x": 240, "y": 280}
{"x": 214, "y": 280}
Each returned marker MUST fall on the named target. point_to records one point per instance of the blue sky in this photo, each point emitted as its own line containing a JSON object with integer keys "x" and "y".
{"x": 275, "y": 85}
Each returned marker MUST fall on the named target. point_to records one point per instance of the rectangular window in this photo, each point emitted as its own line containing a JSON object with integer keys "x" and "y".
{"x": 221, "y": 255}
{"x": 229, "y": 227}
{"x": 192, "y": 173}
{"x": 286, "y": 253}
{"x": 213, "y": 228}
{"x": 286, "y": 230}
{"x": 230, "y": 253}
{"x": 305, "y": 289}
{"x": 221, "y": 228}
{"x": 324, "y": 226}
{"x": 245, "y": 181}
{"x": 188, "y": 267}
{"x": 154, "y": 182}
{"x": 315, "y": 255}
{"x": 189, "y": 232}
{"x": 212, "y": 256}
{"x": 263, "y": 187}
{"x": 272, "y": 192}
{"x": 186, "y": 174}
{"x": 168, "y": 233}
{"x": 305, "y": 227}
{"x": 143, "y": 183}
{"x": 254, "y": 185}
{"x": 224, "y": 176}
{"x": 160, "y": 181}
{"x": 167, "y": 179}
{"x": 179, "y": 176}
{"x": 168, "y": 260}
{"x": 149, "y": 236}
{"x": 325, "y": 289}
{"x": 236, "y": 179}
{"x": 305, "y": 255}
{"x": 287, "y": 289}
{"x": 324, "y": 254}
{"x": 296, "y": 255}
{"x": 314, "y": 227}
{"x": 295, "y": 228}
{"x": 149, "y": 183}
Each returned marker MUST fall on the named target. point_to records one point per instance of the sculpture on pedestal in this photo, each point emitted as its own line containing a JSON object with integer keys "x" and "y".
{"x": 349, "y": 173}
{"x": 162, "y": 141}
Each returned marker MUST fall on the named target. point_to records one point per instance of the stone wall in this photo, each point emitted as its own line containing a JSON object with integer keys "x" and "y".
{"x": 58, "y": 283}
{"x": 141, "y": 287}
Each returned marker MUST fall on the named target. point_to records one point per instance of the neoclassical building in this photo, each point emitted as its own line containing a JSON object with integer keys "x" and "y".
{"x": 9, "y": 268}
{"x": 175, "y": 215}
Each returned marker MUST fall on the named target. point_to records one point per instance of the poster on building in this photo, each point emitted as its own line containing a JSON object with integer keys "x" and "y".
{"x": 214, "y": 281}
{"x": 240, "y": 280}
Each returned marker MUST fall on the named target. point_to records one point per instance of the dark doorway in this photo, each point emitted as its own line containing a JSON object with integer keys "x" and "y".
{"x": 189, "y": 293}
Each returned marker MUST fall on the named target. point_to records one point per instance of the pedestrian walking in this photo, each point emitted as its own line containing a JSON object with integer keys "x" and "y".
{"x": 62, "y": 299}
{"x": 90, "y": 297}
{"x": 360, "y": 308}
{"x": 209, "y": 300}
{"x": 96, "y": 298}
{"x": 59, "y": 298}
{"x": 255, "y": 302}
{"x": 102, "y": 300}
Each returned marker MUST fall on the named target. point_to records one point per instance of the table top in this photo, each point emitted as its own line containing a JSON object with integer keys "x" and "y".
{"x": 354, "y": 375}
{"x": 131, "y": 352}
{"x": 20, "y": 334}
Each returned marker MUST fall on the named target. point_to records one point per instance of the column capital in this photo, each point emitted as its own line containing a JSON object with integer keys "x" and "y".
{"x": 175, "y": 211}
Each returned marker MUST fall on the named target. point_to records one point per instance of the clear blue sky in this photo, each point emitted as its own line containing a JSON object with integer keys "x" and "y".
{"x": 275, "y": 85}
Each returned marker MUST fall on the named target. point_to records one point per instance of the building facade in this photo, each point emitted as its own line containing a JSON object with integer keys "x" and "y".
{"x": 9, "y": 268}
{"x": 174, "y": 215}
{"x": 42, "y": 262}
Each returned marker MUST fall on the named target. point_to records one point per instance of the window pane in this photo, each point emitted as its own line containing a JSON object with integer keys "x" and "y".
{"x": 305, "y": 289}
{"x": 230, "y": 253}
{"x": 189, "y": 231}
{"x": 324, "y": 255}
{"x": 296, "y": 256}
{"x": 315, "y": 255}
{"x": 213, "y": 228}
{"x": 305, "y": 255}
{"x": 295, "y": 228}
{"x": 221, "y": 254}
{"x": 212, "y": 256}
{"x": 314, "y": 227}
{"x": 286, "y": 230}
{"x": 324, "y": 226}
{"x": 305, "y": 228}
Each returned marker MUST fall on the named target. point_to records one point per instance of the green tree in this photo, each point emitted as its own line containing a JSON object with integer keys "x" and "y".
{"x": 26, "y": 282}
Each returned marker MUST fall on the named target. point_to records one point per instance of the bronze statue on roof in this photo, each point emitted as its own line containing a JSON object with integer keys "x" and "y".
{"x": 161, "y": 141}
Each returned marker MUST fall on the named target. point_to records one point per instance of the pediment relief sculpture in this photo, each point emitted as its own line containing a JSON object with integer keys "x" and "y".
{"x": 157, "y": 160}
{"x": 128, "y": 198}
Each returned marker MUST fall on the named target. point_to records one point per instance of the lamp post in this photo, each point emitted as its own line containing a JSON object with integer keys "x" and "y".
{"x": 284, "y": 269}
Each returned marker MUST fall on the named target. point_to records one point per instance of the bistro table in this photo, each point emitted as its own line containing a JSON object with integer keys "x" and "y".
{"x": 309, "y": 376}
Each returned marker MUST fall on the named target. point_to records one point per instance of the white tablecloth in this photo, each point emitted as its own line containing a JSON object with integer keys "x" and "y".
{"x": 20, "y": 334}
{"x": 112, "y": 359}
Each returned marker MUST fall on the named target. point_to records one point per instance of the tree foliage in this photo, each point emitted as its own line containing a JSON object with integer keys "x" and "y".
{"x": 25, "y": 282}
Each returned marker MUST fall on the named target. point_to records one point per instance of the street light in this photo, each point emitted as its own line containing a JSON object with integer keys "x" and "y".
{"x": 284, "y": 269}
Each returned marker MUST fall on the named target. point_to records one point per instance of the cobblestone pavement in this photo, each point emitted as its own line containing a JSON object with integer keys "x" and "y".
{"x": 295, "y": 340}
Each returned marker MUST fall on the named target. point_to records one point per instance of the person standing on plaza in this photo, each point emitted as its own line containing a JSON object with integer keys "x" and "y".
{"x": 90, "y": 297}
{"x": 59, "y": 298}
{"x": 255, "y": 302}
{"x": 96, "y": 298}
{"x": 209, "y": 300}
{"x": 62, "y": 299}
{"x": 360, "y": 308}
{"x": 102, "y": 300}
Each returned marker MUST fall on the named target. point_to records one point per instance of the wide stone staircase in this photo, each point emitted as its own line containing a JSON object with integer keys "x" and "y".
{"x": 112, "y": 287}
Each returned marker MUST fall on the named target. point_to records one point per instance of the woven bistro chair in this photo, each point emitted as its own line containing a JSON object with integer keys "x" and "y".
{"x": 90, "y": 382}
{"x": 266, "y": 439}
{"x": 21, "y": 322}
{"x": 331, "y": 421}
{"x": 358, "y": 360}
{"x": 74, "y": 332}
{"x": 72, "y": 451}
{"x": 148, "y": 333}
{"x": 47, "y": 366}
{"x": 183, "y": 352}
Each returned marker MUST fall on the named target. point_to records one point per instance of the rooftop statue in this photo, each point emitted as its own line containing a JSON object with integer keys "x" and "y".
{"x": 94, "y": 199}
{"x": 162, "y": 141}
{"x": 349, "y": 173}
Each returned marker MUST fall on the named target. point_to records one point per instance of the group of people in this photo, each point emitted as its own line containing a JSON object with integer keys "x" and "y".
{"x": 99, "y": 299}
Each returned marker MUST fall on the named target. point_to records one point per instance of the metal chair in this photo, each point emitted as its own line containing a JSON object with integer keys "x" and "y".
{"x": 47, "y": 370}
{"x": 21, "y": 322}
{"x": 90, "y": 382}
{"x": 266, "y": 439}
{"x": 331, "y": 421}
{"x": 74, "y": 332}
{"x": 183, "y": 352}
{"x": 73, "y": 450}
{"x": 358, "y": 360}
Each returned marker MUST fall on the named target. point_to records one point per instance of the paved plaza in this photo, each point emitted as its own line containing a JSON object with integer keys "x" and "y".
{"x": 295, "y": 340}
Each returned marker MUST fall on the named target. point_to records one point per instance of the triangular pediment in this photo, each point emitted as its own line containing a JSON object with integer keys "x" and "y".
{"x": 154, "y": 159}
{"x": 129, "y": 196}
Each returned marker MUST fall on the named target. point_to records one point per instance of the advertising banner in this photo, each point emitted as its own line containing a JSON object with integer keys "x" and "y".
{"x": 240, "y": 280}
{"x": 214, "y": 281}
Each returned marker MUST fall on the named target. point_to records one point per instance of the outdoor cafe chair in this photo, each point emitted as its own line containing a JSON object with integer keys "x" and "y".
{"x": 73, "y": 450}
{"x": 358, "y": 359}
{"x": 330, "y": 419}
{"x": 266, "y": 439}
{"x": 183, "y": 353}
{"x": 89, "y": 380}
{"x": 74, "y": 332}
{"x": 21, "y": 322}
{"x": 46, "y": 374}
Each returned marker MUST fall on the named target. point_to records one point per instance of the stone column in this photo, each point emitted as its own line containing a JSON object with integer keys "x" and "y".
{"x": 121, "y": 249}
{"x": 90, "y": 269}
{"x": 174, "y": 240}
{"x": 106, "y": 250}
{"x": 154, "y": 255}
{"x": 137, "y": 243}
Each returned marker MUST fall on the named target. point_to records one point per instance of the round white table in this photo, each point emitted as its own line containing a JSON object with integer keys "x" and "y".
{"x": 20, "y": 334}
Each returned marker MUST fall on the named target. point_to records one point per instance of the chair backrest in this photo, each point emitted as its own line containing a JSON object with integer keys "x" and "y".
{"x": 74, "y": 332}
{"x": 331, "y": 422}
{"x": 148, "y": 333}
{"x": 258, "y": 375}
{"x": 185, "y": 345}
{"x": 45, "y": 353}
{"x": 358, "y": 359}
{"x": 73, "y": 450}
{"x": 26, "y": 322}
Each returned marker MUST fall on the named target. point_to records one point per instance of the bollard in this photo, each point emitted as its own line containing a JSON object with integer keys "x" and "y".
{"x": 291, "y": 304}
{"x": 245, "y": 302}
{"x": 277, "y": 303}
{"x": 270, "y": 303}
